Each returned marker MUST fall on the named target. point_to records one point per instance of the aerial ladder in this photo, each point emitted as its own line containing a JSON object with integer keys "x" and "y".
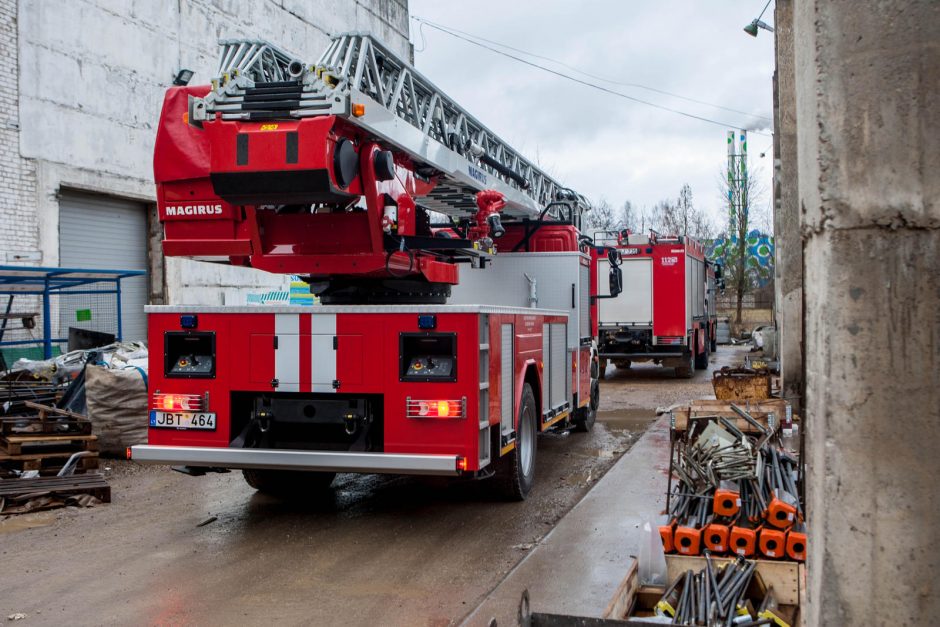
{"x": 356, "y": 173}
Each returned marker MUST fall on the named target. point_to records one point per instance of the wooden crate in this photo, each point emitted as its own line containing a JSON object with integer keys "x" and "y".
{"x": 733, "y": 385}
{"x": 788, "y": 579}
{"x": 758, "y": 409}
{"x": 633, "y": 601}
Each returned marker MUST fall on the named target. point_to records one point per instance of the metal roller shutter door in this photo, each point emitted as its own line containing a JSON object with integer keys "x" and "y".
{"x": 111, "y": 233}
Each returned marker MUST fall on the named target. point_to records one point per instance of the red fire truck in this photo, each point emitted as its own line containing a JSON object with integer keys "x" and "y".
{"x": 455, "y": 321}
{"x": 666, "y": 312}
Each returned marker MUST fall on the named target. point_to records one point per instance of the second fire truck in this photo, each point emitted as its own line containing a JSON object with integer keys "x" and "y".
{"x": 666, "y": 312}
{"x": 456, "y": 319}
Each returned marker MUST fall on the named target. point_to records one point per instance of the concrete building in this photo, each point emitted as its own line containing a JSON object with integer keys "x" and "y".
{"x": 80, "y": 95}
{"x": 867, "y": 150}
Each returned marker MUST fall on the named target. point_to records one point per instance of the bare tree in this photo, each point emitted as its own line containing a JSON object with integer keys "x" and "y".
{"x": 682, "y": 217}
{"x": 630, "y": 217}
{"x": 602, "y": 217}
{"x": 741, "y": 270}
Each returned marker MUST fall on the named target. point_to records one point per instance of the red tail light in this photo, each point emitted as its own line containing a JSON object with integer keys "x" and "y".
{"x": 443, "y": 408}
{"x": 178, "y": 402}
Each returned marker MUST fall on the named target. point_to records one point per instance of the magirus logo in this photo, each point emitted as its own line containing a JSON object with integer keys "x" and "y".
{"x": 193, "y": 210}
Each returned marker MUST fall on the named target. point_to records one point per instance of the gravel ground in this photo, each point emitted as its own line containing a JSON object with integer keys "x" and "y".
{"x": 379, "y": 550}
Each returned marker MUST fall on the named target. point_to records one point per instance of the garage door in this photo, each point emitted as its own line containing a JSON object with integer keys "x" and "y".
{"x": 105, "y": 232}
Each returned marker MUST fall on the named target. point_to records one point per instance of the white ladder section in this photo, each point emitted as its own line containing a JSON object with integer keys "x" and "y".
{"x": 258, "y": 81}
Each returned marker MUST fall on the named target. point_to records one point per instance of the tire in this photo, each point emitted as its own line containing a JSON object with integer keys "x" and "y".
{"x": 688, "y": 370}
{"x": 588, "y": 415}
{"x": 701, "y": 360}
{"x": 516, "y": 470}
{"x": 288, "y": 483}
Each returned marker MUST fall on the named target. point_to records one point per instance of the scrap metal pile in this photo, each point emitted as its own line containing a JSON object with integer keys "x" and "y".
{"x": 737, "y": 491}
{"x": 48, "y": 453}
{"x": 728, "y": 594}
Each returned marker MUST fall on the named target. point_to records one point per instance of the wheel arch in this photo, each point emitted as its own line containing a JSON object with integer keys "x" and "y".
{"x": 532, "y": 376}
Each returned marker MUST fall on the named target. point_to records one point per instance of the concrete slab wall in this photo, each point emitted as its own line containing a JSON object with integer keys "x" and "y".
{"x": 788, "y": 264}
{"x": 868, "y": 142}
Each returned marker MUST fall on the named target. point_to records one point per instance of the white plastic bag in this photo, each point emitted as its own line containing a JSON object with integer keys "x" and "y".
{"x": 652, "y": 560}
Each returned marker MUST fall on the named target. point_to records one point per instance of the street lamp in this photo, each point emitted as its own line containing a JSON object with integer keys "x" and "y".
{"x": 183, "y": 77}
{"x": 751, "y": 29}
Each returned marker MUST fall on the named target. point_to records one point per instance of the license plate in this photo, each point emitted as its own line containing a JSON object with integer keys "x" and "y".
{"x": 182, "y": 420}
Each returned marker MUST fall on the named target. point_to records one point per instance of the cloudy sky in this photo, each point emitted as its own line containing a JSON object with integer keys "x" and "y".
{"x": 603, "y": 145}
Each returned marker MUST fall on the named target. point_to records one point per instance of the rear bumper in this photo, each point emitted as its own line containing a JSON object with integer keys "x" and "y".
{"x": 642, "y": 355}
{"x": 275, "y": 459}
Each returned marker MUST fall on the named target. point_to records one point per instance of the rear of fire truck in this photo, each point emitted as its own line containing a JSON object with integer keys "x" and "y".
{"x": 666, "y": 313}
{"x": 455, "y": 321}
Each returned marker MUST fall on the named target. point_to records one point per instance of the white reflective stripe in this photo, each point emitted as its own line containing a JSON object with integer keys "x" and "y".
{"x": 323, "y": 323}
{"x": 286, "y": 323}
{"x": 287, "y": 354}
{"x": 323, "y": 367}
{"x": 322, "y": 354}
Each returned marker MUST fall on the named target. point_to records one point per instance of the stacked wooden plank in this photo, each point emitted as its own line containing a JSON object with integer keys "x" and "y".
{"x": 45, "y": 440}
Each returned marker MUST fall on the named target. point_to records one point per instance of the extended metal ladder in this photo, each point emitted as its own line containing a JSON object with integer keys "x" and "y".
{"x": 258, "y": 81}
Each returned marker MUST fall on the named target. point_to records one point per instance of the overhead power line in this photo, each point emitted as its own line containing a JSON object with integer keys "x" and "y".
{"x": 575, "y": 79}
{"x": 422, "y": 21}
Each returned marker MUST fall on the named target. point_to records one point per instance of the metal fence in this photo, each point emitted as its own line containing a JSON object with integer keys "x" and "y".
{"x": 47, "y": 311}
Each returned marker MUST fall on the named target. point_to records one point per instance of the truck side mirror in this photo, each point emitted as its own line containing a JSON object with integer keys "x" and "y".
{"x": 719, "y": 277}
{"x": 615, "y": 280}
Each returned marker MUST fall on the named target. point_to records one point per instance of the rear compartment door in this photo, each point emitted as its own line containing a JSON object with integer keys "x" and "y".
{"x": 634, "y": 306}
{"x": 307, "y": 353}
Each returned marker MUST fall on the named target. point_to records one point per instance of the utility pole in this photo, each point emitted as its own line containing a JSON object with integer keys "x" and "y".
{"x": 738, "y": 207}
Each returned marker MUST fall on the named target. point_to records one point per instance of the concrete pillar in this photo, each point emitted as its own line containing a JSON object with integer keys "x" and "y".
{"x": 868, "y": 141}
{"x": 788, "y": 245}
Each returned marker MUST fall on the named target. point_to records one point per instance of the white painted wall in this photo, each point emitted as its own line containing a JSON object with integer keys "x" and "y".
{"x": 91, "y": 79}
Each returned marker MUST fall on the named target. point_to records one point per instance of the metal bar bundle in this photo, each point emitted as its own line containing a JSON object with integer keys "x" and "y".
{"x": 712, "y": 596}
{"x": 735, "y": 492}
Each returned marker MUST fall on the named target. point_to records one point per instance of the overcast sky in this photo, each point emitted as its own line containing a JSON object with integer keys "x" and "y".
{"x": 602, "y": 145}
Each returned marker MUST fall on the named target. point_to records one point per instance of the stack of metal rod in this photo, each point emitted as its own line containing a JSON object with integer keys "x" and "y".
{"x": 735, "y": 492}
{"x": 718, "y": 596}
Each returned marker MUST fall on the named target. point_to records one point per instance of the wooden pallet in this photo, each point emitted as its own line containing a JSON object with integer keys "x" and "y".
{"x": 42, "y": 443}
{"x": 47, "y": 420}
{"x": 27, "y": 425}
{"x": 48, "y": 463}
{"x": 93, "y": 484}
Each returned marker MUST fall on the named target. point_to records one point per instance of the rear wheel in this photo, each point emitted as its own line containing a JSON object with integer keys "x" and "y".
{"x": 588, "y": 414}
{"x": 686, "y": 371}
{"x": 516, "y": 470}
{"x": 288, "y": 483}
{"x": 701, "y": 360}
